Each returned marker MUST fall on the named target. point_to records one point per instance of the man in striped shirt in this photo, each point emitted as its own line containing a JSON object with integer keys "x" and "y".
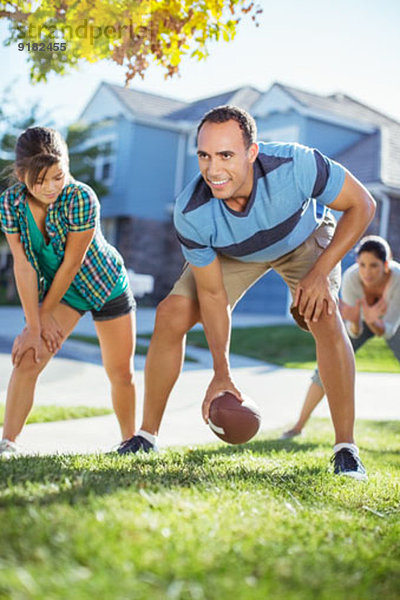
{"x": 256, "y": 207}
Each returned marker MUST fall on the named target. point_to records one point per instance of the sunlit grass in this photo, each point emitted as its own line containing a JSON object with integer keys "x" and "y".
{"x": 289, "y": 346}
{"x": 264, "y": 520}
{"x": 45, "y": 414}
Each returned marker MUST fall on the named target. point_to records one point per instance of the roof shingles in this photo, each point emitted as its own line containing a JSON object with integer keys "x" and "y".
{"x": 145, "y": 104}
{"x": 376, "y": 158}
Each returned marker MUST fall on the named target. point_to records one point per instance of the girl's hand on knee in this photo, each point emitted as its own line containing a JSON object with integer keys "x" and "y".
{"x": 51, "y": 332}
{"x": 28, "y": 340}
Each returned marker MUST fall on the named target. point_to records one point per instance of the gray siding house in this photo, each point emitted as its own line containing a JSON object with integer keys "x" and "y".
{"x": 150, "y": 155}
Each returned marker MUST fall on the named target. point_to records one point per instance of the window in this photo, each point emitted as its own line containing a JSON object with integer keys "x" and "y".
{"x": 110, "y": 228}
{"x": 104, "y": 162}
{"x": 106, "y": 171}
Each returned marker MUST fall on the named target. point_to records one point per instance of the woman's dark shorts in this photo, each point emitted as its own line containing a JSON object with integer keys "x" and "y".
{"x": 112, "y": 309}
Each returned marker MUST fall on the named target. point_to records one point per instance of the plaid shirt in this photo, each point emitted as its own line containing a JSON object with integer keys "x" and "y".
{"x": 76, "y": 209}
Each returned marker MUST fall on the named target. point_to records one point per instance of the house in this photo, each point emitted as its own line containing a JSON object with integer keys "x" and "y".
{"x": 150, "y": 155}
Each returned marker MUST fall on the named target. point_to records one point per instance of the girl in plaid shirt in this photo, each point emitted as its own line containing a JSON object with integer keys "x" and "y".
{"x": 63, "y": 267}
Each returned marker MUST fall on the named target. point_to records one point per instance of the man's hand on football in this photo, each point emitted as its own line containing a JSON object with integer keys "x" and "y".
{"x": 218, "y": 386}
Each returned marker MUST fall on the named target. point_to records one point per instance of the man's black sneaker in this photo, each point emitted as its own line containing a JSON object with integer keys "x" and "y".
{"x": 135, "y": 444}
{"x": 347, "y": 462}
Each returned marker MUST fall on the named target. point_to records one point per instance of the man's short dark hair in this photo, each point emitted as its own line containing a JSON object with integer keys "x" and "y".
{"x": 221, "y": 114}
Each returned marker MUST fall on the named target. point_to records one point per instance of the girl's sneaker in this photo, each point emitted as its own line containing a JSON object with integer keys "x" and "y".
{"x": 8, "y": 449}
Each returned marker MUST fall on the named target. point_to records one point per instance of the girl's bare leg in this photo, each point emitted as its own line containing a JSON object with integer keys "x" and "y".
{"x": 21, "y": 388}
{"x": 117, "y": 339}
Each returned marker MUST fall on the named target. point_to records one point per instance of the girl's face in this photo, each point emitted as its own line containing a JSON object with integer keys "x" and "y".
{"x": 372, "y": 269}
{"x": 49, "y": 184}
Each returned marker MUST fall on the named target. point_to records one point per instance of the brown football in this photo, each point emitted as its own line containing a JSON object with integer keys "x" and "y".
{"x": 233, "y": 421}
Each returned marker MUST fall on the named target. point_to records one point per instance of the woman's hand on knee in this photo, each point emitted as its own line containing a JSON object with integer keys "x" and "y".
{"x": 350, "y": 313}
{"x": 28, "y": 340}
{"x": 51, "y": 331}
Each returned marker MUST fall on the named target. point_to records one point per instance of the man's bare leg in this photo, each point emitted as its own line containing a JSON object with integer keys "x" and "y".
{"x": 175, "y": 316}
{"x": 335, "y": 358}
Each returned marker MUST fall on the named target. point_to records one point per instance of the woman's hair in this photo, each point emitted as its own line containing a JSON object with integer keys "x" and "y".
{"x": 376, "y": 245}
{"x": 38, "y": 148}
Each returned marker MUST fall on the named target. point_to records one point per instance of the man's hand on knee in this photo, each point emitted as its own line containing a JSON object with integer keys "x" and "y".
{"x": 313, "y": 296}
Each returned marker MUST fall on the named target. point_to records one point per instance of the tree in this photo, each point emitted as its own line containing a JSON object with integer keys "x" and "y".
{"x": 132, "y": 33}
{"x": 15, "y": 118}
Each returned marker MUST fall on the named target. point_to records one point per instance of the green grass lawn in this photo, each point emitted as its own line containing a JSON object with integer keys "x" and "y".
{"x": 141, "y": 349}
{"x": 46, "y": 414}
{"x": 289, "y": 346}
{"x": 265, "y": 520}
{"x": 92, "y": 339}
{"x": 4, "y": 301}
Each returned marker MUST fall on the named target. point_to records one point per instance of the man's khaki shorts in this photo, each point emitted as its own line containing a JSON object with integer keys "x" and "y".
{"x": 239, "y": 276}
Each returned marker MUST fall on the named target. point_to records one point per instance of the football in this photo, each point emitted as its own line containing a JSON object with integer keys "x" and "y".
{"x": 233, "y": 421}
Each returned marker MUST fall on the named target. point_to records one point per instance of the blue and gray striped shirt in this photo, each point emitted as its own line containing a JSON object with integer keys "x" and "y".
{"x": 293, "y": 184}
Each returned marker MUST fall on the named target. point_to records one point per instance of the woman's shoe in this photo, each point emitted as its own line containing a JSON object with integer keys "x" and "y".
{"x": 291, "y": 433}
{"x": 8, "y": 449}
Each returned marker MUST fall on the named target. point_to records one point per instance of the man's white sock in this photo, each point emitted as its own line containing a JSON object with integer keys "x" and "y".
{"x": 349, "y": 445}
{"x": 147, "y": 436}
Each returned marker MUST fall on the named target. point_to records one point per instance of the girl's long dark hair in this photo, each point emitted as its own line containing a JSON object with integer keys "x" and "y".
{"x": 38, "y": 148}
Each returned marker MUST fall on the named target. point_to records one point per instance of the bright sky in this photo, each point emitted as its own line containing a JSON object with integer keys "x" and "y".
{"x": 322, "y": 46}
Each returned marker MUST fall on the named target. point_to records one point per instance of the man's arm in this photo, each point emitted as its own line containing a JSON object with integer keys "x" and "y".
{"x": 358, "y": 209}
{"x": 216, "y": 319}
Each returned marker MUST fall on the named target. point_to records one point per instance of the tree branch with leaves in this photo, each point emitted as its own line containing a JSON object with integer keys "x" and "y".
{"x": 131, "y": 33}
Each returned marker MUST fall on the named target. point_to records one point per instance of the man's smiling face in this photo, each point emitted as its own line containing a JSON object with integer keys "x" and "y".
{"x": 225, "y": 162}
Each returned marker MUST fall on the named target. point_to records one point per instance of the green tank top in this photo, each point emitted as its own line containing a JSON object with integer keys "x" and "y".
{"x": 49, "y": 263}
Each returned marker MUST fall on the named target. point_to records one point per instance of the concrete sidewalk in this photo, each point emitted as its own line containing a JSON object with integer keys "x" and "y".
{"x": 12, "y": 321}
{"x": 278, "y": 392}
